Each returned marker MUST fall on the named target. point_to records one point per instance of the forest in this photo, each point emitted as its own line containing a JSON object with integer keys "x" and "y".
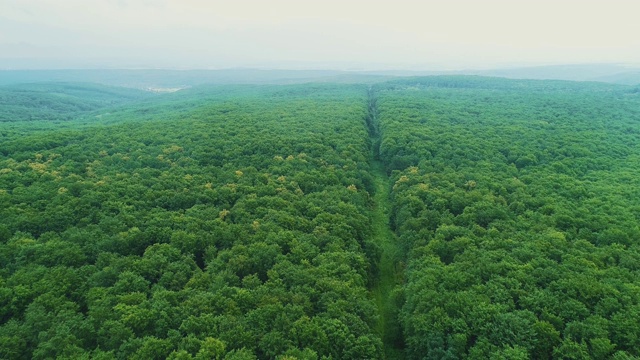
{"x": 516, "y": 203}
{"x": 438, "y": 217}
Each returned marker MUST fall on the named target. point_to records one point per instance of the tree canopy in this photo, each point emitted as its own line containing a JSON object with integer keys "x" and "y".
{"x": 516, "y": 202}
{"x": 237, "y": 221}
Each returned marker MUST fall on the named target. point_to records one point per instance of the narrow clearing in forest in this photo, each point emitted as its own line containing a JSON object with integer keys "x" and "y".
{"x": 389, "y": 267}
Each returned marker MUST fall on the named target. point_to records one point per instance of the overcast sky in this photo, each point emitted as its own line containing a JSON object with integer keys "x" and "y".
{"x": 437, "y": 34}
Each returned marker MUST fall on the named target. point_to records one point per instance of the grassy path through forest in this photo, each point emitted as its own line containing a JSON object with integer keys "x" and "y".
{"x": 389, "y": 268}
{"x": 390, "y": 274}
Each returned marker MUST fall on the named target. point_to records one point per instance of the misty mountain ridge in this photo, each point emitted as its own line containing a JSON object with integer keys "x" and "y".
{"x": 149, "y": 79}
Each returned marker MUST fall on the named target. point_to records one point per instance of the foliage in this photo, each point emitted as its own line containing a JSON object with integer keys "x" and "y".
{"x": 517, "y": 204}
{"x": 60, "y": 101}
{"x": 238, "y": 229}
{"x": 238, "y": 222}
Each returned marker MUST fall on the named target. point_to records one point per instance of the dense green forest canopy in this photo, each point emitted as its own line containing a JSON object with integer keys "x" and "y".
{"x": 239, "y": 229}
{"x": 60, "y": 101}
{"x": 235, "y": 221}
{"x": 517, "y": 204}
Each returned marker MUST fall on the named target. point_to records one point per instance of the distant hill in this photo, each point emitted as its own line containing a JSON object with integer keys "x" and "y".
{"x": 166, "y": 80}
{"x": 611, "y": 73}
{"x": 145, "y": 79}
{"x": 627, "y": 78}
{"x": 60, "y": 101}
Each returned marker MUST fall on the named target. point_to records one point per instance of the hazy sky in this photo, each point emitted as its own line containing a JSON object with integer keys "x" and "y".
{"x": 310, "y": 33}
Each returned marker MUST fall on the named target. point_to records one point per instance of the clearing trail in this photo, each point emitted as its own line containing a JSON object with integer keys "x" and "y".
{"x": 386, "y": 287}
